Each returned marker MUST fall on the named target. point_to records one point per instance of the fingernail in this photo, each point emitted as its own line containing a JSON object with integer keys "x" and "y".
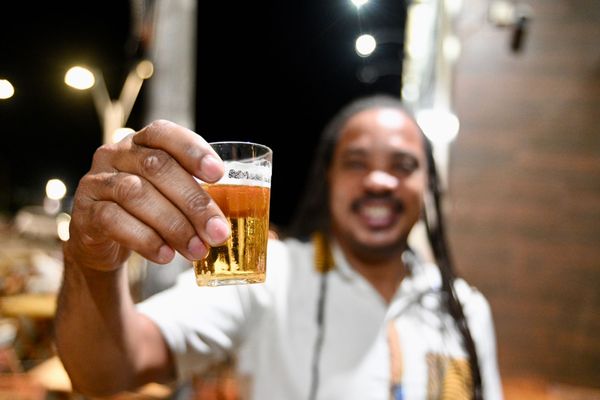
{"x": 217, "y": 230}
{"x": 165, "y": 254}
{"x": 211, "y": 168}
{"x": 196, "y": 248}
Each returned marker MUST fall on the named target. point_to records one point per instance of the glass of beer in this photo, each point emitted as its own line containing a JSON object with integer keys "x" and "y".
{"x": 243, "y": 194}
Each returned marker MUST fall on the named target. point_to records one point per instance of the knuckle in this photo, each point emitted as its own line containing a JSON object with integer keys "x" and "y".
{"x": 101, "y": 180}
{"x": 140, "y": 235}
{"x": 102, "y": 214}
{"x": 84, "y": 193}
{"x": 84, "y": 182}
{"x": 197, "y": 202}
{"x": 78, "y": 201}
{"x": 177, "y": 228}
{"x": 156, "y": 163}
{"x": 154, "y": 130}
{"x": 102, "y": 153}
{"x": 109, "y": 179}
{"x": 129, "y": 187}
{"x": 160, "y": 125}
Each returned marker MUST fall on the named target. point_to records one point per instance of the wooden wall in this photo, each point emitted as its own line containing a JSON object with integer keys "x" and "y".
{"x": 524, "y": 188}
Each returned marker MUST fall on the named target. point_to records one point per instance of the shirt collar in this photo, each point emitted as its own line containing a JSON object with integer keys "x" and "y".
{"x": 421, "y": 276}
{"x": 342, "y": 266}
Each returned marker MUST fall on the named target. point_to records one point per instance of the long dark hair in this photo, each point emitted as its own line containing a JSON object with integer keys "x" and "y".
{"x": 312, "y": 214}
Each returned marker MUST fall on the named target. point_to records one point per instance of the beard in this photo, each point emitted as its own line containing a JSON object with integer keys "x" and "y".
{"x": 368, "y": 249}
{"x": 374, "y": 253}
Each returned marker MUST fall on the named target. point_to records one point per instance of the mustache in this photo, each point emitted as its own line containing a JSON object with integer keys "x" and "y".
{"x": 397, "y": 204}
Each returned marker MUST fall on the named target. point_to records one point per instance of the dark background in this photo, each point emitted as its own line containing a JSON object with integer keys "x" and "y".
{"x": 524, "y": 189}
{"x": 267, "y": 72}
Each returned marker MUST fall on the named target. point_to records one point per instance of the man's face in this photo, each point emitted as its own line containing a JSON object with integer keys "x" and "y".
{"x": 376, "y": 181}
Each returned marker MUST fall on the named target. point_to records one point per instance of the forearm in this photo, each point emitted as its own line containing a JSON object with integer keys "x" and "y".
{"x": 101, "y": 339}
{"x": 139, "y": 195}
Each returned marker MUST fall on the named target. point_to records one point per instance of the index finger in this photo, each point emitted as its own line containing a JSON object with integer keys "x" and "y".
{"x": 190, "y": 150}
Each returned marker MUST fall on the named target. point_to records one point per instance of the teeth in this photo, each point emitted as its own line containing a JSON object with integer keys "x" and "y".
{"x": 376, "y": 212}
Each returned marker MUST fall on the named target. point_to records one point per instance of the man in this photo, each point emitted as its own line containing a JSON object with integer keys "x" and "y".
{"x": 353, "y": 313}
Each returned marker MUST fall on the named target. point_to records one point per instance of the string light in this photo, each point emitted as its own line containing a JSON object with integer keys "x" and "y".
{"x": 80, "y": 78}
{"x": 365, "y": 45}
{"x": 7, "y": 90}
{"x": 55, "y": 189}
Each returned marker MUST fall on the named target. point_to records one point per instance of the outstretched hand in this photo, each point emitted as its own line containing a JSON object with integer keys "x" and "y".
{"x": 140, "y": 194}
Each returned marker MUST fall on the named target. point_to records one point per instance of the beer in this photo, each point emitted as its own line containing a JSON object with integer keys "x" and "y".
{"x": 243, "y": 194}
{"x": 243, "y": 258}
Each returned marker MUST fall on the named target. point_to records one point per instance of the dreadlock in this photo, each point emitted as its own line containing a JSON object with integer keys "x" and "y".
{"x": 441, "y": 251}
{"x": 312, "y": 214}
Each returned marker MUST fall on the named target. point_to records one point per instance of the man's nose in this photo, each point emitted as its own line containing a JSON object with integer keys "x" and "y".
{"x": 378, "y": 180}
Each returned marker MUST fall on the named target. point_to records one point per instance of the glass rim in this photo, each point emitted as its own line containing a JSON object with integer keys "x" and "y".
{"x": 254, "y": 144}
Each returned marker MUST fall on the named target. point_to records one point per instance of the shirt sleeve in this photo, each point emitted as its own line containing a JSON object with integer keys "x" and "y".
{"x": 201, "y": 325}
{"x": 206, "y": 325}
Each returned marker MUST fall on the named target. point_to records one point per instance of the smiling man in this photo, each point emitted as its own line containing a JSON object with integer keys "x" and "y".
{"x": 376, "y": 183}
{"x": 348, "y": 311}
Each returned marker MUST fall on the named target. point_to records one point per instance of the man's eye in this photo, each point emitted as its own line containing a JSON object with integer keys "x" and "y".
{"x": 354, "y": 164}
{"x": 406, "y": 165}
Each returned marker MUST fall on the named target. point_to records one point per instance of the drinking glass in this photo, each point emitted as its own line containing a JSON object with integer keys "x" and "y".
{"x": 243, "y": 194}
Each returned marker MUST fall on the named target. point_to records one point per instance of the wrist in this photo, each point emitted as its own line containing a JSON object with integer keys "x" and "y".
{"x": 94, "y": 263}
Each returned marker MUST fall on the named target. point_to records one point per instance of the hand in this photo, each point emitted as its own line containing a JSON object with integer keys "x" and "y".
{"x": 141, "y": 195}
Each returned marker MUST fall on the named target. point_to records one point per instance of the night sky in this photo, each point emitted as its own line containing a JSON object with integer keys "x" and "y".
{"x": 270, "y": 72}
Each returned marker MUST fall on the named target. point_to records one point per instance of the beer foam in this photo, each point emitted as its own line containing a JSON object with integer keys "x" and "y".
{"x": 241, "y": 173}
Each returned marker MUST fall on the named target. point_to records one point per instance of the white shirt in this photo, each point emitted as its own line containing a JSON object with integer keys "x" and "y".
{"x": 272, "y": 328}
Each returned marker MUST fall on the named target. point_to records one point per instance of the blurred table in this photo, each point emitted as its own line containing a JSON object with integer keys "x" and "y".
{"x": 20, "y": 387}
{"x": 26, "y": 324}
{"x": 33, "y": 305}
{"x": 51, "y": 375}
